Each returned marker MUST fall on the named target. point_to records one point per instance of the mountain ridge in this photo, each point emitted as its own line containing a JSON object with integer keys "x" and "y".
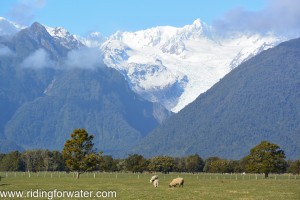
{"x": 171, "y": 65}
{"x": 191, "y": 58}
{"x": 45, "y": 101}
{"x": 256, "y": 101}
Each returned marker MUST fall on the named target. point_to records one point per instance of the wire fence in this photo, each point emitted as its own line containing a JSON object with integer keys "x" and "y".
{"x": 121, "y": 175}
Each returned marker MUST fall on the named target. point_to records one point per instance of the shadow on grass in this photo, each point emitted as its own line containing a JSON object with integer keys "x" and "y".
{"x": 4, "y": 184}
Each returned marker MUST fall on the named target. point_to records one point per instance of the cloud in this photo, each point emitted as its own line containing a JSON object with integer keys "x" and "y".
{"x": 87, "y": 58}
{"x": 279, "y": 16}
{"x": 24, "y": 11}
{"x": 5, "y": 51}
{"x": 37, "y": 60}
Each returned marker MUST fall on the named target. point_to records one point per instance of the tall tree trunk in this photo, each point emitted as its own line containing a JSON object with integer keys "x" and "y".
{"x": 266, "y": 174}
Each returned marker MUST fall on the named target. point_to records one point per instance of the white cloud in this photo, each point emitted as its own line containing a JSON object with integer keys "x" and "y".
{"x": 39, "y": 59}
{"x": 279, "y": 16}
{"x": 87, "y": 58}
{"x": 5, "y": 51}
{"x": 24, "y": 11}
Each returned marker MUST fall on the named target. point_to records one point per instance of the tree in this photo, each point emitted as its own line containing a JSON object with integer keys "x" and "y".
{"x": 219, "y": 166}
{"x": 34, "y": 160}
{"x": 136, "y": 163}
{"x": 294, "y": 167}
{"x": 12, "y": 162}
{"x": 208, "y": 162}
{"x": 266, "y": 158}
{"x": 163, "y": 164}
{"x": 180, "y": 165}
{"x": 57, "y": 161}
{"x": 194, "y": 163}
{"x": 108, "y": 164}
{"x": 79, "y": 154}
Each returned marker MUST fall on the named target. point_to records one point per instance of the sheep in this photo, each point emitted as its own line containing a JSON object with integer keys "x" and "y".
{"x": 153, "y": 178}
{"x": 176, "y": 181}
{"x": 155, "y": 183}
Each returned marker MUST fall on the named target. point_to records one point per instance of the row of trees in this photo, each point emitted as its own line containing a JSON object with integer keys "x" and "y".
{"x": 78, "y": 155}
{"x": 45, "y": 160}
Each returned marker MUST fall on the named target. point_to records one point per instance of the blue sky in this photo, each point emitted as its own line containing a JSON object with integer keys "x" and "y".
{"x": 108, "y": 16}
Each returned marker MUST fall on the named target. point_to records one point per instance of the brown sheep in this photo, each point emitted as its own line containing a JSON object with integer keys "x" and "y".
{"x": 176, "y": 181}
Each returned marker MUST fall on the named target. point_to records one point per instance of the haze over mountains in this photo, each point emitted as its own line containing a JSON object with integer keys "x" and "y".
{"x": 122, "y": 87}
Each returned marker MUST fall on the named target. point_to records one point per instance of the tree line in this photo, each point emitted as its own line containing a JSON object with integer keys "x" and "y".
{"x": 45, "y": 160}
{"x": 78, "y": 155}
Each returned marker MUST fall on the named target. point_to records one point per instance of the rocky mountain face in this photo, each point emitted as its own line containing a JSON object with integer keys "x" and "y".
{"x": 45, "y": 94}
{"x": 258, "y": 100}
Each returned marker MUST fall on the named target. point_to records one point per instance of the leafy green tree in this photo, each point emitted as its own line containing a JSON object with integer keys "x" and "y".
{"x": 180, "y": 165}
{"x": 219, "y": 166}
{"x": 163, "y": 164}
{"x": 12, "y": 162}
{"x": 235, "y": 166}
{"x": 208, "y": 162}
{"x": 121, "y": 164}
{"x": 57, "y": 163}
{"x": 34, "y": 160}
{"x": 108, "y": 164}
{"x": 136, "y": 163}
{"x": 79, "y": 154}
{"x": 294, "y": 167}
{"x": 266, "y": 158}
{"x": 194, "y": 163}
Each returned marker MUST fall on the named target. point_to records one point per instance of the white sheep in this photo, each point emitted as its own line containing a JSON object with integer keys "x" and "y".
{"x": 155, "y": 183}
{"x": 176, "y": 181}
{"x": 153, "y": 178}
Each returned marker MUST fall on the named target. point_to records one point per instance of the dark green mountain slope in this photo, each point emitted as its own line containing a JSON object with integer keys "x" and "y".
{"x": 259, "y": 100}
{"x": 98, "y": 100}
{"x": 41, "y": 106}
{"x": 17, "y": 84}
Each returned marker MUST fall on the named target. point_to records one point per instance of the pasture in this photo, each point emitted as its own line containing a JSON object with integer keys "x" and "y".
{"x": 137, "y": 186}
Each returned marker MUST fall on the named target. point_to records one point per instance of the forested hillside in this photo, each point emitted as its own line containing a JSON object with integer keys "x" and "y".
{"x": 259, "y": 100}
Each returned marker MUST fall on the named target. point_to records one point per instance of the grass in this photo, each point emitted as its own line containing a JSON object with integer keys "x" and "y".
{"x": 137, "y": 186}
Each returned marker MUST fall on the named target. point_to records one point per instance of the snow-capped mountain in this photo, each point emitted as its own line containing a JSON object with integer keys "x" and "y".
{"x": 173, "y": 65}
{"x": 165, "y": 64}
{"x": 9, "y": 28}
{"x": 64, "y": 37}
{"x": 94, "y": 39}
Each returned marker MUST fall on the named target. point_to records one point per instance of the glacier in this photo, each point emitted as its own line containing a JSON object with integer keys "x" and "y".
{"x": 168, "y": 65}
{"x": 174, "y": 65}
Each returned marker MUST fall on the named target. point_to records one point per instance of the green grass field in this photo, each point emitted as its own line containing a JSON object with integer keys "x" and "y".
{"x": 137, "y": 186}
